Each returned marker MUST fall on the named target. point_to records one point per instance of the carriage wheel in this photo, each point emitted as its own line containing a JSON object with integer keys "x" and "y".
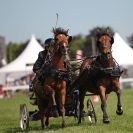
{"x": 91, "y": 111}
{"x": 24, "y": 117}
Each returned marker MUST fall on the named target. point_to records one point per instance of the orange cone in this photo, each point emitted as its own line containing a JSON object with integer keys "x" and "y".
{"x": 95, "y": 98}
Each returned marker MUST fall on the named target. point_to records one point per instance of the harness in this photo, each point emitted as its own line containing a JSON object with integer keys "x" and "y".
{"x": 97, "y": 69}
{"x": 59, "y": 74}
{"x": 49, "y": 70}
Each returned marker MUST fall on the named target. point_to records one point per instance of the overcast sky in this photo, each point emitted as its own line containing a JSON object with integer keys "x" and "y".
{"x": 19, "y": 19}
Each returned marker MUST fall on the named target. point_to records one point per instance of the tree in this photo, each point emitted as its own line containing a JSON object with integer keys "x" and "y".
{"x": 11, "y": 51}
{"x": 76, "y": 44}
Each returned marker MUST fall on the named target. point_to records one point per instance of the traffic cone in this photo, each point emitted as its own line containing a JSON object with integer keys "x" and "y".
{"x": 1, "y": 92}
{"x": 95, "y": 98}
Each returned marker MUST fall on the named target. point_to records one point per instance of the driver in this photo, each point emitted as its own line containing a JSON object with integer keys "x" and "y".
{"x": 38, "y": 66}
{"x": 48, "y": 45}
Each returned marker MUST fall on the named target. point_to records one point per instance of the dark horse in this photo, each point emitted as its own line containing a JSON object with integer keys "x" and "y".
{"x": 100, "y": 75}
{"x": 54, "y": 86}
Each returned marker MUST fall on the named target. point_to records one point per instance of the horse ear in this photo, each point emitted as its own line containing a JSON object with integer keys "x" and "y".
{"x": 112, "y": 40}
{"x": 67, "y": 31}
{"x": 108, "y": 30}
{"x": 98, "y": 30}
{"x": 53, "y": 30}
{"x": 69, "y": 39}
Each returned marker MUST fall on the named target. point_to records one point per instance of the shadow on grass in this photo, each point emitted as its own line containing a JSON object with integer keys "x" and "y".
{"x": 54, "y": 127}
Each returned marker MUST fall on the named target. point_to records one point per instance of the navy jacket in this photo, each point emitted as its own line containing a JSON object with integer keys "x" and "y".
{"x": 40, "y": 61}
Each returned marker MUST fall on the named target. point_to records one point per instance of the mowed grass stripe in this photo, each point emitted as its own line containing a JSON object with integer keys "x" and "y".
{"x": 9, "y": 117}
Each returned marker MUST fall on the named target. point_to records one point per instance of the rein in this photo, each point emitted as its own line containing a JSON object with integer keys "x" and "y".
{"x": 49, "y": 56}
{"x": 114, "y": 71}
{"x": 53, "y": 72}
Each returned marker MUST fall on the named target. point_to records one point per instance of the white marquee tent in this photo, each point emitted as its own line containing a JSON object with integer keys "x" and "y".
{"x": 24, "y": 63}
{"x": 20, "y": 66}
{"x": 123, "y": 54}
{"x": 121, "y": 51}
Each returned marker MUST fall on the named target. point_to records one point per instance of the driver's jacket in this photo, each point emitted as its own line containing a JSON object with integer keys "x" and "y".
{"x": 40, "y": 61}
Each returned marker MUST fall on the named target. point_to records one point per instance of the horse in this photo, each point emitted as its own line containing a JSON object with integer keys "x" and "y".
{"x": 100, "y": 75}
{"x": 54, "y": 86}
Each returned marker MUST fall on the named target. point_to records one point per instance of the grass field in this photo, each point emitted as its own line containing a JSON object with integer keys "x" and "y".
{"x": 9, "y": 117}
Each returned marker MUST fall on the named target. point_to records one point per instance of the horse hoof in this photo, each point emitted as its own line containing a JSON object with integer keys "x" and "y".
{"x": 79, "y": 121}
{"x": 106, "y": 120}
{"x": 63, "y": 125}
{"x": 46, "y": 124}
{"x": 55, "y": 112}
{"x": 119, "y": 112}
{"x": 42, "y": 127}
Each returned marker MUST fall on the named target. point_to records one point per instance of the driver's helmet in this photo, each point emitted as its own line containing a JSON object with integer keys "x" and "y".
{"x": 48, "y": 42}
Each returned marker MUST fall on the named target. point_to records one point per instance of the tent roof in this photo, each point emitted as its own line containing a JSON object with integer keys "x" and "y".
{"x": 26, "y": 60}
{"x": 121, "y": 51}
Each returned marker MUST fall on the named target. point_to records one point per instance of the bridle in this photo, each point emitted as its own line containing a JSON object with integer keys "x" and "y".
{"x": 104, "y": 45}
{"x": 62, "y": 45}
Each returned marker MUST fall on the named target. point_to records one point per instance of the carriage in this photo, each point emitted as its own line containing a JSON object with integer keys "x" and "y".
{"x": 98, "y": 75}
{"x": 68, "y": 103}
{"x": 71, "y": 106}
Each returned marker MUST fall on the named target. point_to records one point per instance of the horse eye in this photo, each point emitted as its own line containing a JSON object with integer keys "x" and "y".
{"x": 67, "y": 46}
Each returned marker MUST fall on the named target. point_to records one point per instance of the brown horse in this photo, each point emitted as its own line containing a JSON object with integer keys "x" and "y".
{"x": 54, "y": 87}
{"x": 100, "y": 75}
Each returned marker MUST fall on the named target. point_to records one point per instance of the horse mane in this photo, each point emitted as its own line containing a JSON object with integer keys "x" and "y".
{"x": 60, "y": 30}
{"x": 103, "y": 31}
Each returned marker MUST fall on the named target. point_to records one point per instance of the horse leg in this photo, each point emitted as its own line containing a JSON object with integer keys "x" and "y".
{"x": 81, "y": 99}
{"x": 47, "y": 121}
{"x": 48, "y": 113}
{"x": 52, "y": 102}
{"x": 62, "y": 107}
{"x": 47, "y": 118}
{"x": 104, "y": 104}
{"x": 53, "y": 97}
{"x": 119, "y": 110}
{"x": 42, "y": 119}
{"x": 41, "y": 111}
{"x": 54, "y": 105}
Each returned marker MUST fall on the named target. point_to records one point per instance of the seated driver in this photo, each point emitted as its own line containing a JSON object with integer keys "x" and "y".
{"x": 37, "y": 68}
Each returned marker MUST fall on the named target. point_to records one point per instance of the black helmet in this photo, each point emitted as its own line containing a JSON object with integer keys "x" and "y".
{"x": 48, "y": 42}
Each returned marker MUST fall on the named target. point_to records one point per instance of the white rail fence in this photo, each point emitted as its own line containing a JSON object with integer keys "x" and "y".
{"x": 128, "y": 81}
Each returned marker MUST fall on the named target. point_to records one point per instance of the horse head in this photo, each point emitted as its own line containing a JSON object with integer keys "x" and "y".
{"x": 62, "y": 40}
{"x": 104, "y": 37}
{"x": 102, "y": 75}
{"x": 104, "y": 41}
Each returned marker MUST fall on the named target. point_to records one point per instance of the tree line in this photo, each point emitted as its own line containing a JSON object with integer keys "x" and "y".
{"x": 84, "y": 43}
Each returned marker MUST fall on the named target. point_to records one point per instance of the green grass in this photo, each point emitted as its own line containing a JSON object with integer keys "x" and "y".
{"x": 9, "y": 117}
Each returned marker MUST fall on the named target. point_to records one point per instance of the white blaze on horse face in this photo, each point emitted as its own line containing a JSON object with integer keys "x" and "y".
{"x": 63, "y": 43}
{"x": 105, "y": 45}
{"x": 64, "y": 48}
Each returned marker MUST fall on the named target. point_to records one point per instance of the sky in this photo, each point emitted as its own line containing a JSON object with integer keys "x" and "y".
{"x": 19, "y": 19}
